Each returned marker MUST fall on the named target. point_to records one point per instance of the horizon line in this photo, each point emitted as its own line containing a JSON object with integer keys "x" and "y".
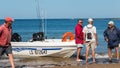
{"x": 64, "y": 18}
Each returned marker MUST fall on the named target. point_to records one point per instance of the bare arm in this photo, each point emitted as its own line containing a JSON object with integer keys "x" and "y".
{"x": 96, "y": 38}
{"x": 95, "y": 35}
{"x": 84, "y": 37}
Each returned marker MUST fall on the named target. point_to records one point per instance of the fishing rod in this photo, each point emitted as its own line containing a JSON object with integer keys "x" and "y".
{"x": 41, "y": 15}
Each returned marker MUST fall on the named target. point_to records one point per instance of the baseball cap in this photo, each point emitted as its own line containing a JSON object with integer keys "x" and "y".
{"x": 90, "y": 19}
{"x": 111, "y": 22}
{"x": 9, "y": 19}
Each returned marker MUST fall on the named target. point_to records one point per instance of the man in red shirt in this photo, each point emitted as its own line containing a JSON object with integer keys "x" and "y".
{"x": 79, "y": 38}
{"x": 5, "y": 39}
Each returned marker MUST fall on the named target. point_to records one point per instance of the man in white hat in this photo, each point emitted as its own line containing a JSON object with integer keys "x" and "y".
{"x": 112, "y": 37}
{"x": 90, "y": 38}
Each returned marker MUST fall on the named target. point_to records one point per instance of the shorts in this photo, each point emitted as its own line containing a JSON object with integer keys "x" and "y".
{"x": 80, "y": 45}
{"x": 91, "y": 44}
{"x": 5, "y": 50}
{"x": 113, "y": 46}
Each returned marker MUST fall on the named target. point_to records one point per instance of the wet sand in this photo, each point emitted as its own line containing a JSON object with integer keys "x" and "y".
{"x": 54, "y": 62}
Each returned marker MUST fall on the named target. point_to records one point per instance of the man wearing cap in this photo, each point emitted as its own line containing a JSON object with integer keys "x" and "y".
{"x": 90, "y": 38}
{"x": 5, "y": 39}
{"x": 112, "y": 37}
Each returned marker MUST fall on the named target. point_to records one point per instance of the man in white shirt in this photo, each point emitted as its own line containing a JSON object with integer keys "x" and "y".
{"x": 90, "y": 38}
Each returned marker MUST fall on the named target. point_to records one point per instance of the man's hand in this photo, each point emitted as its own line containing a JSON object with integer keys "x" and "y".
{"x": 106, "y": 39}
{"x": 97, "y": 43}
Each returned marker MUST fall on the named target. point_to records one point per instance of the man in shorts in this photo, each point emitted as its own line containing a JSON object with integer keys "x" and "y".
{"x": 90, "y": 37}
{"x": 79, "y": 38}
{"x": 5, "y": 39}
{"x": 112, "y": 37}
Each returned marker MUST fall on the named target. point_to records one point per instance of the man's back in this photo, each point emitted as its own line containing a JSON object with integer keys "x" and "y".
{"x": 89, "y": 32}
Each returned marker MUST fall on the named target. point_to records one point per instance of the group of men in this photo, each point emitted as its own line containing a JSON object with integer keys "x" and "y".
{"x": 84, "y": 36}
{"x": 88, "y": 36}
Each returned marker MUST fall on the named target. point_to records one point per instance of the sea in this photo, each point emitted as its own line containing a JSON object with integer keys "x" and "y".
{"x": 55, "y": 28}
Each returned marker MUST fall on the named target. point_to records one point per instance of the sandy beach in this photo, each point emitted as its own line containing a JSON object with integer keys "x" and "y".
{"x": 93, "y": 66}
{"x": 54, "y": 62}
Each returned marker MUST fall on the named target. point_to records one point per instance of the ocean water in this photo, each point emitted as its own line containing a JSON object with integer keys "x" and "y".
{"x": 55, "y": 28}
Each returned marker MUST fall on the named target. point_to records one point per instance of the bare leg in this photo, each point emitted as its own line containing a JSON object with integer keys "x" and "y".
{"x": 87, "y": 52}
{"x": 78, "y": 53}
{"x": 11, "y": 60}
{"x": 110, "y": 53}
{"x": 93, "y": 54}
{"x": 117, "y": 53}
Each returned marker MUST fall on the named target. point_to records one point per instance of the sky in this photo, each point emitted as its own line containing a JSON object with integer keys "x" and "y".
{"x": 26, "y": 9}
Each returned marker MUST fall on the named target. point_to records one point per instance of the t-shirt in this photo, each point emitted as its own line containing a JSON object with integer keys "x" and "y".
{"x": 5, "y": 35}
{"x": 89, "y": 30}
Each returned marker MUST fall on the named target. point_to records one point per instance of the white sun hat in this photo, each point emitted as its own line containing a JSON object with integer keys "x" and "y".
{"x": 90, "y": 19}
{"x": 111, "y": 22}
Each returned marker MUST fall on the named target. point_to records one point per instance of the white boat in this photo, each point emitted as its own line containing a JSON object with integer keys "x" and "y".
{"x": 49, "y": 47}
{"x": 46, "y": 47}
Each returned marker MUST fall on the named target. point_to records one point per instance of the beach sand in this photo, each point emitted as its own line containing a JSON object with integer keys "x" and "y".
{"x": 54, "y": 62}
{"x": 93, "y": 66}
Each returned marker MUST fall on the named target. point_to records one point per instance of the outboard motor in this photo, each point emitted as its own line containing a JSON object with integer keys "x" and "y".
{"x": 38, "y": 36}
{"x": 16, "y": 37}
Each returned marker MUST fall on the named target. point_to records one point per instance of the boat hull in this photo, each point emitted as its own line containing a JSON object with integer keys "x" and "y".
{"x": 54, "y": 49}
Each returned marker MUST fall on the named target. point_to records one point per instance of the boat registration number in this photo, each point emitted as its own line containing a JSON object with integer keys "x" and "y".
{"x": 37, "y": 52}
